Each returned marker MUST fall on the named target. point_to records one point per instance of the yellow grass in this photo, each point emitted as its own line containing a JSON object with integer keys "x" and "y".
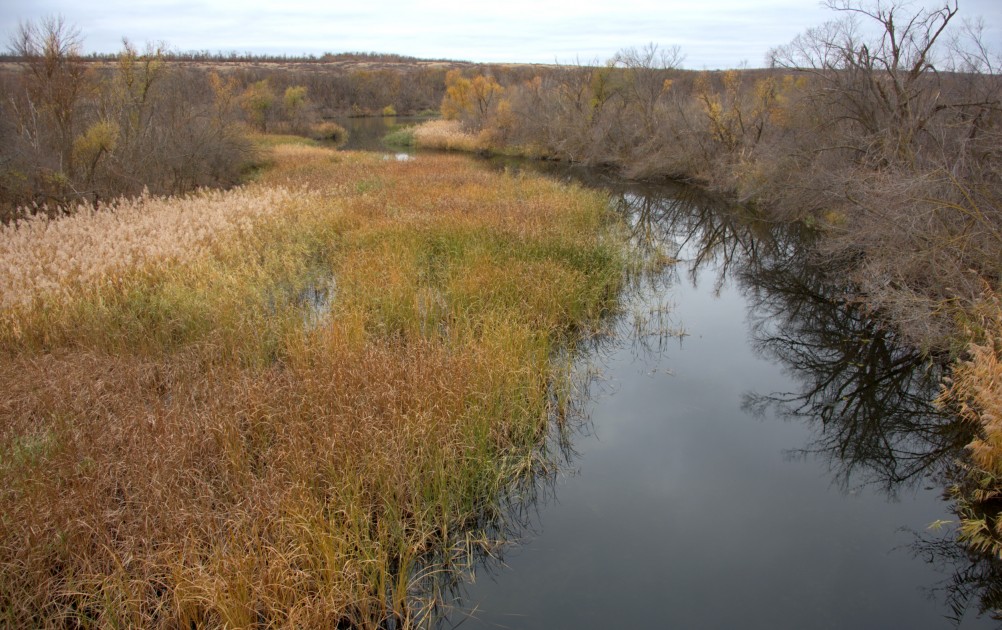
{"x": 39, "y": 255}
{"x": 185, "y": 440}
{"x": 975, "y": 393}
{"x": 449, "y": 135}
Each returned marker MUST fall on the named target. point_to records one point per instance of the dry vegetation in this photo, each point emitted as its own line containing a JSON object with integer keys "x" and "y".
{"x": 975, "y": 392}
{"x": 293, "y": 404}
{"x": 41, "y": 255}
{"x": 157, "y": 368}
{"x": 448, "y": 135}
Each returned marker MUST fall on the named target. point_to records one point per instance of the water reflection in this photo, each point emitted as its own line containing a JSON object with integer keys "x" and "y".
{"x": 863, "y": 395}
{"x": 367, "y": 133}
{"x": 974, "y": 585}
{"x": 866, "y": 396}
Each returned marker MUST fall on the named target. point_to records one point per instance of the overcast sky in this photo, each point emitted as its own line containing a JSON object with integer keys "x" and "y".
{"x": 711, "y": 33}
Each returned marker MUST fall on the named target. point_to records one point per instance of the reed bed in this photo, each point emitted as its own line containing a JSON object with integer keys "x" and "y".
{"x": 189, "y": 438}
{"x": 40, "y": 254}
{"x": 448, "y": 135}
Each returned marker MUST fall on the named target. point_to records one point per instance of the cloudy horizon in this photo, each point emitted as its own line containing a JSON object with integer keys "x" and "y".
{"x": 711, "y": 34}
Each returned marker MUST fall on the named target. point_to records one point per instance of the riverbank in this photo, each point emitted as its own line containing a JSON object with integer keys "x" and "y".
{"x": 887, "y": 257}
{"x": 297, "y": 402}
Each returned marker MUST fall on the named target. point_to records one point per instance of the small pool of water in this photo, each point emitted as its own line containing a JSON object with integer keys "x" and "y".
{"x": 366, "y": 134}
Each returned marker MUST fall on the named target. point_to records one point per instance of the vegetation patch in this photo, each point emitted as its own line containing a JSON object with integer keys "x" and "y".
{"x": 402, "y": 137}
{"x": 449, "y": 135}
{"x": 186, "y": 440}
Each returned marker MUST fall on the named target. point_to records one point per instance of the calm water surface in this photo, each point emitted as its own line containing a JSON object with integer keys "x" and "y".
{"x": 778, "y": 466}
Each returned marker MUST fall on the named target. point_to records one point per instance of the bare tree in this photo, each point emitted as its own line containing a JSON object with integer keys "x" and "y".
{"x": 649, "y": 70}
{"x": 888, "y": 85}
{"x": 54, "y": 81}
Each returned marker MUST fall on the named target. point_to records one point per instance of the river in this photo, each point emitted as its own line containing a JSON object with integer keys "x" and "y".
{"x": 755, "y": 451}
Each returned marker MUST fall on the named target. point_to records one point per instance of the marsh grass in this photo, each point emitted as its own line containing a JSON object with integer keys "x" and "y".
{"x": 178, "y": 449}
{"x": 974, "y": 392}
{"x": 448, "y": 135}
{"x": 402, "y": 136}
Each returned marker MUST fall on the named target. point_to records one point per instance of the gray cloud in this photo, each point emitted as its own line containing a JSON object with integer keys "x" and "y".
{"x": 712, "y": 33}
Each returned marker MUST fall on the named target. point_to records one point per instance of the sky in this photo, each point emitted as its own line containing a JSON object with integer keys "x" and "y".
{"x": 710, "y": 33}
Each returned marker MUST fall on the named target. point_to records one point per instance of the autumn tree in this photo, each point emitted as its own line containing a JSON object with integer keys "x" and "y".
{"x": 296, "y": 107}
{"x": 457, "y": 100}
{"x": 473, "y": 101}
{"x": 54, "y": 80}
{"x": 258, "y": 101}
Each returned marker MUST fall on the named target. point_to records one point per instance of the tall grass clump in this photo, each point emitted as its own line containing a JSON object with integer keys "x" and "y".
{"x": 449, "y": 135}
{"x": 974, "y": 392}
{"x": 297, "y": 403}
{"x": 402, "y": 137}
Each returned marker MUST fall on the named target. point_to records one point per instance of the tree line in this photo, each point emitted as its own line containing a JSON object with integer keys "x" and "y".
{"x": 86, "y": 128}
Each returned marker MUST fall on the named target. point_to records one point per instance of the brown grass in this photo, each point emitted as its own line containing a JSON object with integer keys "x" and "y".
{"x": 974, "y": 391}
{"x": 448, "y": 135}
{"x": 192, "y": 445}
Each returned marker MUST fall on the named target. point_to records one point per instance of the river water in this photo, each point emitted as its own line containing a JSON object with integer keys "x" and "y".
{"x": 755, "y": 452}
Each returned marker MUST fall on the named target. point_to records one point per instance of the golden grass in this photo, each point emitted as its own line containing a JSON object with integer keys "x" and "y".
{"x": 974, "y": 391}
{"x": 39, "y": 255}
{"x": 448, "y": 135}
{"x": 183, "y": 442}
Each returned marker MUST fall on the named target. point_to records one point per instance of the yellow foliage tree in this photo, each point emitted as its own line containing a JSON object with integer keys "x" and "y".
{"x": 456, "y": 101}
{"x": 257, "y": 101}
{"x": 99, "y": 140}
{"x": 471, "y": 100}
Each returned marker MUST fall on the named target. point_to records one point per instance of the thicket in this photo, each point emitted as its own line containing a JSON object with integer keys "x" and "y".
{"x": 76, "y": 133}
{"x": 340, "y": 87}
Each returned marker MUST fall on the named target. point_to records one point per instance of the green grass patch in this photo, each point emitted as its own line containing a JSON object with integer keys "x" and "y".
{"x": 402, "y": 137}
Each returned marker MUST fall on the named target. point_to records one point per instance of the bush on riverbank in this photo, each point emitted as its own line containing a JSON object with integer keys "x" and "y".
{"x": 974, "y": 391}
{"x": 296, "y": 403}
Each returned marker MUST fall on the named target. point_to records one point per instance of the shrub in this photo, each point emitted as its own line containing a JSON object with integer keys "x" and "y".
{"x": 329, "y": 132}
{"x": 402, "y": 137}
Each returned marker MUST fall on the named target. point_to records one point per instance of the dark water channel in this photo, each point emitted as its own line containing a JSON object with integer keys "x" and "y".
{"x": 367, "y": 133}
{"x": 778, "y": 466}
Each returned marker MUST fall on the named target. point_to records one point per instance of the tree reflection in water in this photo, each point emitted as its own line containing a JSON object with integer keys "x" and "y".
{"x": 867, "y": 397}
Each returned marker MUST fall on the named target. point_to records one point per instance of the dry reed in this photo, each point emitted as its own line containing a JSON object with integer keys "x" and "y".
{"x": 195, "y": 444}
{"x": 974, "y": 392}
{"x": 449, "y": 135}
